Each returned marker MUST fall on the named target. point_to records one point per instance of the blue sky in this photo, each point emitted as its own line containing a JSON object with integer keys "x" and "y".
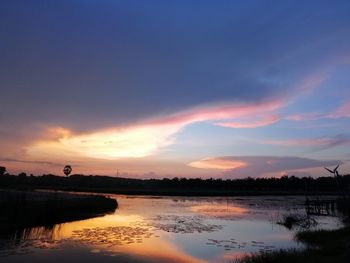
{"x": 175, "y": 88}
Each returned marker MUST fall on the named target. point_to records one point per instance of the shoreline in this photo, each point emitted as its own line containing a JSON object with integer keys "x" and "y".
{"x": 23, "y": 209}
{"x": 196, "y": 193}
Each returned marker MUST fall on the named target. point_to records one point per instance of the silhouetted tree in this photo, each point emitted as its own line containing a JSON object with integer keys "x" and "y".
{"x": 286, "y": 184}
{"x": 22, "y": 174}
{"x": 2, "y": 170}
{"x": 67, "y": 170}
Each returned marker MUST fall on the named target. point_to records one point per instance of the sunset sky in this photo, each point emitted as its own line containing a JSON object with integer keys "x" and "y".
{"x": 222, "y": 89}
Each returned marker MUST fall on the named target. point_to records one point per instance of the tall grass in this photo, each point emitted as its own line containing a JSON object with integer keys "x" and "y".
{"x": 298, "y": 256}
{"x": 323, "y": 246}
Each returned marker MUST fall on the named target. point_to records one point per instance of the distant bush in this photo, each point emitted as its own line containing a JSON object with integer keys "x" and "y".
{"x": 2, "y": 170}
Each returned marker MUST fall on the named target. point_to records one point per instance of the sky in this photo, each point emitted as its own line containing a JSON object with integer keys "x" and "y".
{"x": 153, "y": 89}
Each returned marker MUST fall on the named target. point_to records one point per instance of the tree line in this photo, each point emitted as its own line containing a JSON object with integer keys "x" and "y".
{"x": 196, "y": 186}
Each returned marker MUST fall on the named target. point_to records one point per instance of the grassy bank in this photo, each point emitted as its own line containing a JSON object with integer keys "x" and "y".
{"x": 323, "y": 246}
{"x": 21, "y": 209}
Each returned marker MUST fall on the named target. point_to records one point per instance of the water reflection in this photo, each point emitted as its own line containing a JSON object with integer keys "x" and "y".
{"x": 220, "y": 210}
{"x": 145, "y": 229}
{"x": 19, "y": 242}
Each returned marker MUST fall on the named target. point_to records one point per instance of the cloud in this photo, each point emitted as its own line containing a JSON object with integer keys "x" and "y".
{"x": 309, "y": 83}
{"x": 10, "y": 160}
{"x": 304, "y": 117}
{"x": 255, "y": 166}
{"x": 320, "y": 143}
{"x": 221, "y": 111}
{"x": 343, "y": 111}
{"x": 123, "y": 79}
{"x": 177, "y": 65}
{"x": 140, "y": 140}
{"x": 222, "y": 164}
{"x": 260, "y": 122}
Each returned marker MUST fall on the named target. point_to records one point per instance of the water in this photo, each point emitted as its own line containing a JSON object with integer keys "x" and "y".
{"x": 165, "y": 229}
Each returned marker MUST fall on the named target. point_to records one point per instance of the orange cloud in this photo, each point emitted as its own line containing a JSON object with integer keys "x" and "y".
{"x": 215, "y": 163}
{"x": 255, "y": 166}
{"x": 138, "y": 141}
{"x": 143, "y": 139}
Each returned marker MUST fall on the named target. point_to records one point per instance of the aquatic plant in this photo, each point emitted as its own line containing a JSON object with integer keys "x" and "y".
{"x": 291, "y": 221}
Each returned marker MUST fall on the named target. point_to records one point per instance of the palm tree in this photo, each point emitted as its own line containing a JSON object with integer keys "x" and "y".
{"x": 67, "y": 170}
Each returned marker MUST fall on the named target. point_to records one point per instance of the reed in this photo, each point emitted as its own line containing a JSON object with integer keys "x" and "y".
{"x": 323, "y": 246}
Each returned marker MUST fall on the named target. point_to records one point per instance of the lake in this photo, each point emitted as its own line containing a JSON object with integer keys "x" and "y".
{"x": 166, "y": 229}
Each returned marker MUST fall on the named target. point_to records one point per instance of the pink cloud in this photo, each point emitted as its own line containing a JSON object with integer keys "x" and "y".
{"x": 321, "y": 143}
{"x": 146, "y": 138}
{"x": 141, "y": 139}
{"x": 301, "y": 142}
{"x": 304, "y": 117}
{"x": 341, "y": 112}
{"x": 263, "y": 121}
{"x": 311, "y": 82}
{"x": 220, "y": 112}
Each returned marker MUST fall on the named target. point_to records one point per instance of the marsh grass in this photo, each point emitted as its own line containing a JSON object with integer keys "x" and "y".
{"x": 292, "y": 221}
{"x": 326, "y": 238}
{"x": 323, "y": 246}
{"x": 298, "y": 256}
